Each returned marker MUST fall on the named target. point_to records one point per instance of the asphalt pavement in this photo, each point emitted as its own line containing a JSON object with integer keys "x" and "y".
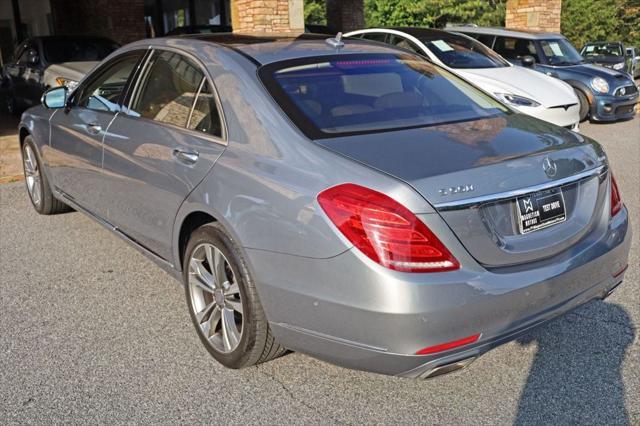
{"x": 91, "y": 331}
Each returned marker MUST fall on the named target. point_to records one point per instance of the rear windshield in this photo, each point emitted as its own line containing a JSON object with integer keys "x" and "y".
{"x": 350, "y": 94}
{"x": 461, "y": 52}
{"x": 77, "y": 50}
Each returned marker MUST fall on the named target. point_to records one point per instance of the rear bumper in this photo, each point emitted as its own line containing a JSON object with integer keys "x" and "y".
{"x": 355, "y": 314}
{"x": 612, "y": 108}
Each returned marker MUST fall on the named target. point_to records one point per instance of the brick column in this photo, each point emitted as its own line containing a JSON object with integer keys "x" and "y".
{"x": 537, "y": 15}
{"x": 345, "y": 15}
{"x": 119, "y": 20}
{"x": 267, "y": 16}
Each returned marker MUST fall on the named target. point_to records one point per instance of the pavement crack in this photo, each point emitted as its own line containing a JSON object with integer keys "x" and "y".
{"x": 294, "y": 397}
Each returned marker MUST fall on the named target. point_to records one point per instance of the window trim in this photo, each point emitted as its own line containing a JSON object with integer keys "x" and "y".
{"x": 222, "y": 139}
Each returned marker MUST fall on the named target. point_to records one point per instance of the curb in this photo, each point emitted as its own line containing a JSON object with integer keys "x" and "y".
{"x": 12, "y": 178}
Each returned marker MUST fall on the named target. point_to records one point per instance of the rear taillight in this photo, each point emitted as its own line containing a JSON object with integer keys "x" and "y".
{"x": 384, "y": 230}
{"x": 616, "y": 200}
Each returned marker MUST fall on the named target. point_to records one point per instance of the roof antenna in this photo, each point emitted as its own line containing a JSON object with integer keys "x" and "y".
{"x": 335, "y": 42}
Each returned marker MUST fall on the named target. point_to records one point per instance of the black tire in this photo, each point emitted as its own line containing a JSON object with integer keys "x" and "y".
{"x": 48, "y": 203}
{"x": 584, "y": 104}
{"x": 257, "y": 343}
{"x": 11, "y": 104}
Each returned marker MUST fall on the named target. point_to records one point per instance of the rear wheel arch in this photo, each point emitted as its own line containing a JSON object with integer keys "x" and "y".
{"x": 190, "y": 223}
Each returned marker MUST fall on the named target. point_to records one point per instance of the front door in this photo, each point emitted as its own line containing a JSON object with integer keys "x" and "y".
{"x": 157, "y": 151}
{"x": 77, "y": 132}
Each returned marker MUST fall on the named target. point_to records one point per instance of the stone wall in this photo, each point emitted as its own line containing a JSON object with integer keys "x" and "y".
{"x": 267, "y": 16}
{"x": 119, "y": 20}
{"x": 537, "y": 15}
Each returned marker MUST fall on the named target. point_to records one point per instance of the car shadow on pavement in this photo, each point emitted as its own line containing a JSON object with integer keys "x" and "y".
{"x": 576, "y": 375}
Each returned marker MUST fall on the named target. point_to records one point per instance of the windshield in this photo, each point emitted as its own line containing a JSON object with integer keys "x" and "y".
{"x": 461, "y": 52}
{"x": 349, "y": 94}
{"x": 609, "y": 49}
{"x": 77, "y": 50}
{"x": 560, "y": 52}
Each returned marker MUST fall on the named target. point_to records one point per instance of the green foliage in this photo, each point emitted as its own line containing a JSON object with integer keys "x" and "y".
{"x": 433, "y": 13}
{"x": 315, "y": 12}
{"x": 602, "y": 20}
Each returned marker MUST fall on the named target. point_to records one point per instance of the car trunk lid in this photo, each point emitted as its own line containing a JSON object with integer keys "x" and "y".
{"x": 474, "y": 172}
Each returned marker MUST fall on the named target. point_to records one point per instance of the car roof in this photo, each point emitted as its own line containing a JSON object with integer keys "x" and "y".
{"x": 499, "y": 31}
{"x": 262, "y": 49}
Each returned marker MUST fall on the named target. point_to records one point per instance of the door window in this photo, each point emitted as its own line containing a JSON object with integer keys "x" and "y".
{"x": 103, "y": 93}
{"x": 515, "y": 48}
{"x": 205, "y": 117}
{"x": 381, "y": 37}
{"x": 402, "y": 42}
{"x": 169, "y": 89}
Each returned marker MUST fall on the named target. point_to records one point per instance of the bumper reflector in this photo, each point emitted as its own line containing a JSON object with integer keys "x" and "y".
{"x": 449, "y": 345}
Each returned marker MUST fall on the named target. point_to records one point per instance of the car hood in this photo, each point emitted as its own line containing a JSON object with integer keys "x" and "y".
{"x": 589, "y": 71}
{"x": 546, "y": 90}
{"x": 72, "y": 70}
{"x": 605, "y": 60}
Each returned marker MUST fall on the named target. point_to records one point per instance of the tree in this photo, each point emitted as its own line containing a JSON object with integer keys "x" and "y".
{"x": 315, "y": 12}
{"x": 605, "y": 20}
{"x": 433, "y": 13}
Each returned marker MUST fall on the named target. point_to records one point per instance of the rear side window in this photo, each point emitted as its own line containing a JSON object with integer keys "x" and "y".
{"x": 168, "y": 90}
{"x": 174, "y": 90}
{"x": 380, "y": 37}
{"x": 485, "y": 39}
{"x": 457, "y": 51}
{"x": 350, "y": 94}
{"x": 205, "y": 117}
{"x": 402, "y": 42}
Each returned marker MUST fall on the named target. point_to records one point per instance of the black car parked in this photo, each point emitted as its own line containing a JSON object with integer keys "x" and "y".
{"x": 607, "y": 54}
{"x": 23, "y": 77}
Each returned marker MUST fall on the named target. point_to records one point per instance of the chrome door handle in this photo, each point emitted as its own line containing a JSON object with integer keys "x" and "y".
{"x": 94, "y": 129}
{"x": 186, "y": 157}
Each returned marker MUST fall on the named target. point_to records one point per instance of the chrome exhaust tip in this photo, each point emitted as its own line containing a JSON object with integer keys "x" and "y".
{"x": 448, "y": 368}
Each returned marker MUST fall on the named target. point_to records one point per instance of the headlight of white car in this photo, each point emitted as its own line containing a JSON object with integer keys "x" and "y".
{"x": 618, "y": 66}
{"x": 518, "y": 101}
{"x": 71, "y": 84}
{"x": 600, "y": 85}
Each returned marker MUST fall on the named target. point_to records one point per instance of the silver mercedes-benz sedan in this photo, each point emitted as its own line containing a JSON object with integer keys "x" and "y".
{"x": 339, "y": 198}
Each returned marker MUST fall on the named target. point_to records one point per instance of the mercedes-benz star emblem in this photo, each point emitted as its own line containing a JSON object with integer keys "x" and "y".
{"x": 549, "y": 167}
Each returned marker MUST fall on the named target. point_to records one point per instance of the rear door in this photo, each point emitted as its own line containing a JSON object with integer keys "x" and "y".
{"x": 161, "y": 147}
{"x": 77, "y": 132}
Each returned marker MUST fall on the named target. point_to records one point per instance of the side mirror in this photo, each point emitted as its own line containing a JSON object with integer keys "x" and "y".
{"x": 55, "y": 97}
{"x": 32, "y": 57}
{"x": 528, "y": 61}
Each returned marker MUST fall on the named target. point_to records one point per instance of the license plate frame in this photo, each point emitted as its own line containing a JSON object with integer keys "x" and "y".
{"x": 539, "y": 210}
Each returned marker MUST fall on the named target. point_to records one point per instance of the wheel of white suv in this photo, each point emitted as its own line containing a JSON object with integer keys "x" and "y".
{"x": 223, "y": 301}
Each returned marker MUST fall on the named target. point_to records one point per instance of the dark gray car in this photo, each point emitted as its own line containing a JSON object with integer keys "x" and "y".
{"x": 344, "y": 199}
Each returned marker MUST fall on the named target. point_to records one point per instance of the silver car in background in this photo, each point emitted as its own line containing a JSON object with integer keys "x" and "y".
{"x": 344, "y": 199}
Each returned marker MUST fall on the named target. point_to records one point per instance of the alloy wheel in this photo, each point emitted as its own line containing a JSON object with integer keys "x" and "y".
{"x": 32, "y": 175}
{"x": 216, "y": 301}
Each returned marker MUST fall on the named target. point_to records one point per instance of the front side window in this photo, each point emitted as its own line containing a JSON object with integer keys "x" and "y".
{"x": 168, "y": 90}
{"x": 361, "y": 93}
{"x": 515, "y": 48}
{"x": 560, "y": 52}
{"x": 457, "y": 51}
{"x": 103, "y": 93}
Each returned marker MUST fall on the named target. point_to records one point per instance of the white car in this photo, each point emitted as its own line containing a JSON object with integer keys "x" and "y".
{"x": 528, "y": 91}
{"x": 67, "y": 73}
